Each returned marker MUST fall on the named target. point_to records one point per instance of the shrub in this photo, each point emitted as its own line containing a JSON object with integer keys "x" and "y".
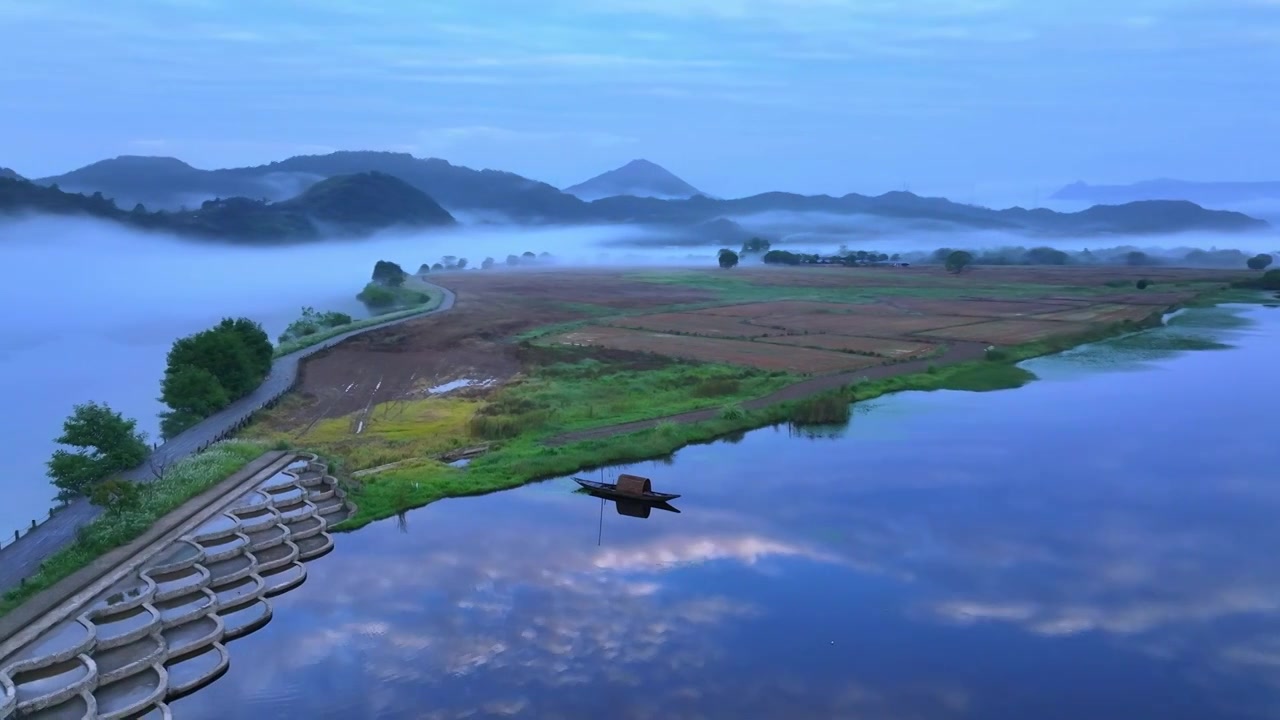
{"x": 1142, "y": 284}
{"x": 717, "y": 387}
{"x": 994, "y": 353}
{"x": 732, "y": 412}
{"x": 825, "y": 409}
{"x": 376, "y": 296}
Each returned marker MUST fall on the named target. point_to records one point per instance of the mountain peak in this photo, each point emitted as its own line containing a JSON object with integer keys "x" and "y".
{"x": 639, "y": 178}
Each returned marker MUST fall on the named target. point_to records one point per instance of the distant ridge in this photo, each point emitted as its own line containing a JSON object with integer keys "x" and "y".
{"x": 638, "y": 178}
{"x": 170, "y": 184}
{"x": 9, "y": 174}
{"x": 344, "y": 205}
{"x": 1203, "y": 193}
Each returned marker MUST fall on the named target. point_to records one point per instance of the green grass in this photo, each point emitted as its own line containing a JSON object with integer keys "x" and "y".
{"x": 394, "y": 432}
{"x": 183, "y": 481}
{"x": 305, "y": 342}
{"x": 739, "y": 287}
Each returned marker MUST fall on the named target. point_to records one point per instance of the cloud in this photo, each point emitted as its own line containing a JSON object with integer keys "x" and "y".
{"x": 443, "y": 139}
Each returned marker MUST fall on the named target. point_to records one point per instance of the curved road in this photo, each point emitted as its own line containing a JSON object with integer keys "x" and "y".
{"x": 22, "y": 558}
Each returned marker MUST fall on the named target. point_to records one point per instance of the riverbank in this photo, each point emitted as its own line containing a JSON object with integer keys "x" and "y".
{"x": 436, "y": 297}
{"x": 1029, "y": 530}
{"x": 619, "y": 385}
{"x": 186, "y": 479}
{"x": 538, "y": 454}
{"x": 56, "y": 547}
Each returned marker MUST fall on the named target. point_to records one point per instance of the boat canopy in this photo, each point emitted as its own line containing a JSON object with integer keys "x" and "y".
{"x": 634, "y": 485}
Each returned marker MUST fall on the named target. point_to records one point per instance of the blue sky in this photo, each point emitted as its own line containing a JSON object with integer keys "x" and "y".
{"x": 984, "y": 100}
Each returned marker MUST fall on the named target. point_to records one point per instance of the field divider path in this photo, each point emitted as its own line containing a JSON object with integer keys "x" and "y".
{"x": 956, "y": 353}
{"x": 22, "y": 558}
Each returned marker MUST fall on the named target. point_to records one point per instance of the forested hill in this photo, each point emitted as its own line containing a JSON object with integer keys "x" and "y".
{"x": 343, "y": 205}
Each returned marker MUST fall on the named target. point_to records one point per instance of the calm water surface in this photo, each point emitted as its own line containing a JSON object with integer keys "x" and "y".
{"x": 1100, "y": 544}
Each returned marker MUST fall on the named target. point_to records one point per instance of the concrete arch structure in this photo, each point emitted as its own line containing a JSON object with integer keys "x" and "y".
{"x": 161, "y": 632}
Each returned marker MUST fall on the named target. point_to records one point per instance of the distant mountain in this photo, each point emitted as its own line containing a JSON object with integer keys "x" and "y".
{"x": 8, "y": 174}
{"x": 170, "y": 183}
{"x": 1203, "y": 193}
{"x": 1131, "y": 218}
{"x": 639, "y": 178}
{"x": 342, "y": 205}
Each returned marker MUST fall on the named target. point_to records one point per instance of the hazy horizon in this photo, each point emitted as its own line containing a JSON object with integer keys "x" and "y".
{"x": 993, "y": 102}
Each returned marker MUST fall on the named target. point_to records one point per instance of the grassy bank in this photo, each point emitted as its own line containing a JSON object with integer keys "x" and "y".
{"x": 564, "y": 389}
{"x": 434, "y": 299}
{"x": 525, "y": 457}
{"x": 183, "y": 481}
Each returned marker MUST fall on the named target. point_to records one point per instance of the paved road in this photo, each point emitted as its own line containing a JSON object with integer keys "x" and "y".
{"x": 22, "y": 558}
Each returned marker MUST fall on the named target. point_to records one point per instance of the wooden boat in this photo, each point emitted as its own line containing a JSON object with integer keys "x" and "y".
{"x": 628, "y": 487}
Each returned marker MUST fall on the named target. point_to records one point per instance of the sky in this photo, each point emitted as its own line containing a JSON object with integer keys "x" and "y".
{"x": 987, "y": 101}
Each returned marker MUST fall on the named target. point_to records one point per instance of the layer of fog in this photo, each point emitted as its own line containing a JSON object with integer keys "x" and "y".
{"x": 94, "y": 308}
{"x": 825, "y": 233}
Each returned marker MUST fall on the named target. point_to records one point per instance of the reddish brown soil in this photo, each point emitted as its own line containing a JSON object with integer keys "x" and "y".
{"x": 764, "y": 356}
{"x": 473, "y": 340}
{"x": 975, "y": 308}
{"x": 692, "y": 323}
{"x": 1007, "y": 332}
{"x": 786, "y": 307}
{"x": 882, "y": 347}
{"x": 870, "y": 324}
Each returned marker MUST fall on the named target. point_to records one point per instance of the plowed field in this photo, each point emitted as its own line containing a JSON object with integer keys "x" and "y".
{"x": 765, "y": 356}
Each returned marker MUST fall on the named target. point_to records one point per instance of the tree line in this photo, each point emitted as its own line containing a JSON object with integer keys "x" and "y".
{"x": 205, "y": 372}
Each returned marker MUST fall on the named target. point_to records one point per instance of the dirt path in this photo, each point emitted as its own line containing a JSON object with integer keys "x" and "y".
{"x": 956, "y": 353}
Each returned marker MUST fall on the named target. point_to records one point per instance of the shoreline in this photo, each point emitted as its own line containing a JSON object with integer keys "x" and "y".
{"x": 420, "y": 481}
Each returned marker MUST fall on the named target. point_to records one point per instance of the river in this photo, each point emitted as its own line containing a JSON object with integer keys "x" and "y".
{"x": 1098, "y": 544}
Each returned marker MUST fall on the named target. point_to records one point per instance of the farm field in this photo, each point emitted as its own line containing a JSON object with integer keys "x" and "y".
{"x": 807, "y": 321}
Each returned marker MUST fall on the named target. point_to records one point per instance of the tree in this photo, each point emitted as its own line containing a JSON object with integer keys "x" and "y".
{"x": 376, "y": 296}
{"x": 513, "y": 260}
{"x": 423, "y": 269}
{"x": 388, "y": 273}
{"x": 437, "y": 267}
{"x": 1046, "y": 256}
{"x": 255, "y": 340}
{"x": 106, "y": 443}
{"x": 450, "y": 262}
{"x": 1261, "y": 261}
{"x": 486, "y": 263}
{"x": 193, "y": 389}
{"x": 1270, "y": 280}
{"x": 224, "y": 355}
{"x": 115, "y": 495}
{"x": 528, "y": 255}
{"x": 727, "y": 258}
{"x": 1134, "y": 258}
{"x": 895, "y": 257}
{"x": 1142, "y": 284}
{"x": 462, "y": 264}
{"x": 958, "y": 260}
{"x": 755, "y": 246}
